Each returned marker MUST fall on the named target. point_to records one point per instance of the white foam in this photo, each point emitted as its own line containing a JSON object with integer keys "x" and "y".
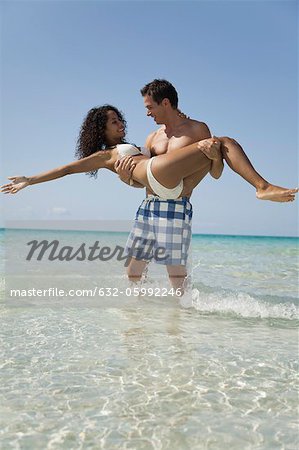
{"x": 240, "y": 304}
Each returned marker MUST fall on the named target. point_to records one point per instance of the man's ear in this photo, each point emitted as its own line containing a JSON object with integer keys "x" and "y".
{"x": 165, "y": 101}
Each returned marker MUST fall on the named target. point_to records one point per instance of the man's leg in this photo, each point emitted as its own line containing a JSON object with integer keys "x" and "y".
{"x": 177, "y": 277}
{"x": 139, "y": 244}
{"x": 135, "y": 269}
{"x": 173, "y": 233}
{"x": 238, "y": 161}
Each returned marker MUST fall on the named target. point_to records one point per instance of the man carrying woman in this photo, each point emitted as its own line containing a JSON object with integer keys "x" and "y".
{"x": 184, "y": 154}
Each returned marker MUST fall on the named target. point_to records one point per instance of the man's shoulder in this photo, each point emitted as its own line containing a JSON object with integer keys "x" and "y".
{"x": 199, "y": 129}
{"x": 197, "y": 124}
{"x": 150, "y": 138}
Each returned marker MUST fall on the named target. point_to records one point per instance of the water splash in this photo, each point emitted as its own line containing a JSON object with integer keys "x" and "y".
{"x": 239, "y": 304}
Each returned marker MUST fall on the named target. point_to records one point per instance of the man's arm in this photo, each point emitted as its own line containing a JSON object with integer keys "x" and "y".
{"x": 216, "y": 158}
{"x": 217, "y": 167}
{"x": 215, "y": 155}
{"x": 201, "y": 131}
{"x": 149, "y": 142}
{"x": 124, "y": 168}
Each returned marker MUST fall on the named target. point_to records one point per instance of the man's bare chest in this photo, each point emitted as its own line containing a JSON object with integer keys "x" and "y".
{"x": 163, "y": 144}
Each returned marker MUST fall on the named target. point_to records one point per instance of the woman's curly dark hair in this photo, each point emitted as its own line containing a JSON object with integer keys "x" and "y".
{"x": 92, "y": 136}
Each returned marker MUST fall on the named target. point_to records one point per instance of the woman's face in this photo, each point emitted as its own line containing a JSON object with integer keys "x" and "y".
{"x": 115, "y": 129}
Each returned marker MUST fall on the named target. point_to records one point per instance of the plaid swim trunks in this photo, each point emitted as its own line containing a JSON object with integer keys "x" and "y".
{"x": 161, "y": 231}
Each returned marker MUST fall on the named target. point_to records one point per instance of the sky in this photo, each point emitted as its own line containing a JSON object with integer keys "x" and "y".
{"x": 233, "y": 63}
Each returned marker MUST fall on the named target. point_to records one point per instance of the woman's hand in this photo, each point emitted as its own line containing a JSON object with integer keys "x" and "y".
{"x": 15, "y": 186}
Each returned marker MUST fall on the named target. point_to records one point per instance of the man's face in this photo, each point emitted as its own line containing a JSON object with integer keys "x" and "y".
{"x": 157, "y": 112}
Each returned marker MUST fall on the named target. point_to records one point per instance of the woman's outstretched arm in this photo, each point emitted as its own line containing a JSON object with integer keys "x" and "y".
{"x": 95, "y": 161}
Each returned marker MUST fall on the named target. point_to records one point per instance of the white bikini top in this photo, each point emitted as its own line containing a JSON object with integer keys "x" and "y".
{"x": 158, "y": 188}
{"x": 130, "y": 150}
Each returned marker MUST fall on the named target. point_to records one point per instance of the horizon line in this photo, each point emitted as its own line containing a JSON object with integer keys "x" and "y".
{"x": 126, "y": 232}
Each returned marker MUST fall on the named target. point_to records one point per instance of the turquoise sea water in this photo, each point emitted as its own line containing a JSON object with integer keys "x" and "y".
{"x": 217, "y": 369}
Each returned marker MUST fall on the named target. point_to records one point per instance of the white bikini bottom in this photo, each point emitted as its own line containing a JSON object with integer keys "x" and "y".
{"x": 159, "y": 189}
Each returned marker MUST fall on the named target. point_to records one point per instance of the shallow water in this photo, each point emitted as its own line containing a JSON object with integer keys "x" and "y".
{"x": 218, "y": 371}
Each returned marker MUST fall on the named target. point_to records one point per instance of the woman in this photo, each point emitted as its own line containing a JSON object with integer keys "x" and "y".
{"x": 98, "y": 147}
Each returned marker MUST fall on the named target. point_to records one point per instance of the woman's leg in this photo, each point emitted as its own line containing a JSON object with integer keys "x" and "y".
{"x": 170, "y": 168}
{"x": 238, "y": 161}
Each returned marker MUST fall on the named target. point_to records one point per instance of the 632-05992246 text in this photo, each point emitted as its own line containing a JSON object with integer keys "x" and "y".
{"x": 97, "y": 292}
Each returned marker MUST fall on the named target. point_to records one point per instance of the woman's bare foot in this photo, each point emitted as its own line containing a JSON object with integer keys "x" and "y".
{"x": 276, "y": 193}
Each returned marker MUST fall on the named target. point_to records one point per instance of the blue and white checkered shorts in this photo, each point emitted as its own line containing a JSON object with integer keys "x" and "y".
{"x": 161, "y": 231}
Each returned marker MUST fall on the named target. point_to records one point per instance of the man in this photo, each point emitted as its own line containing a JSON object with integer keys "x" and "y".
{"x": 176, "y": 131}
{"x": 161, "y": 102}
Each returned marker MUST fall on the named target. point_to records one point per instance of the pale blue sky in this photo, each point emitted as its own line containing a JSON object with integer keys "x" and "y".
{"x": 234, "y": 64}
